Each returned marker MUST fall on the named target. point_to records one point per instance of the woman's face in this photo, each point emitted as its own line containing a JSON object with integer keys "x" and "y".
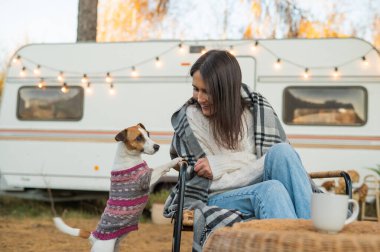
{"x": 200, "y": 94}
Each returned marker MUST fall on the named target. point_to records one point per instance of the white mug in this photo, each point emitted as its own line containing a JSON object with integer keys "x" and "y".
{"x": 329, "y": 211}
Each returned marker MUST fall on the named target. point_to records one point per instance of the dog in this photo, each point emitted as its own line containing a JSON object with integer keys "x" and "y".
{"x": 131, "y": 180}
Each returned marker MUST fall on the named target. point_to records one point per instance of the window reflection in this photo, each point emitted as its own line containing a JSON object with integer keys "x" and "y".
{"x": 50, "y": 103}
{"x": 325, "y": 105}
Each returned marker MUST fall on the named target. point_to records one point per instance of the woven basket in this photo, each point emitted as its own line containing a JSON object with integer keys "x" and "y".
{"x": 293, "y": 236}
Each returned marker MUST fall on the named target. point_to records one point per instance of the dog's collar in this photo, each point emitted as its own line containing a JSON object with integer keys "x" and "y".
{"x": 128, "y": 170}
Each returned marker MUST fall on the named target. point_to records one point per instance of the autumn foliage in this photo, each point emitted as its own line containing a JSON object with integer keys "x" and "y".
{"x": 308, "y": 29}
{"x": 127, "y": 20}
{"x": 133, "y": 20}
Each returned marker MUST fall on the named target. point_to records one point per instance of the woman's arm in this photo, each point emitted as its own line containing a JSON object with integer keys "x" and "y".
{"x": 226, "y": 163}
{"x": 250, "y": 172}
{"x": 214, "y": 167}
{"x": 230, "y": 171}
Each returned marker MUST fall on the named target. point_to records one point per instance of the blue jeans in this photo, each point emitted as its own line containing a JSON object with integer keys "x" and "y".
{"x": 285, "y": 191}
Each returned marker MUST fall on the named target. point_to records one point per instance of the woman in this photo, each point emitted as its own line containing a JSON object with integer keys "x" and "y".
{"x": 237, "y": 150}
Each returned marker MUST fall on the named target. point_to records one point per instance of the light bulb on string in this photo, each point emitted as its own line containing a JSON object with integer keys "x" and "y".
{"x": 254, "y": 46}
{"x": 365, "y": 61}
{"x": 108, "y": 78}
{"x": 336, "y": 72}
{"x": 134, "y": 72}
{"x": 277, "y": 64}
{"x": 37, "y": 70}
{"x": 84, "y": 79}
{"x": 158, "y": 62}
{"x": 306, "y": 73}
{"x": 60, "y": 76}
{"x": 181, "y": 48}
{"x": 23, "y": 72}
{"x": 89, "y": 88}
{"x": 232, "y": 51}
{"x": 41, "y": 83}
{"x": 64, "y": 88}
{"x": 16, "y": 60}
{"x": 112, "y": 89}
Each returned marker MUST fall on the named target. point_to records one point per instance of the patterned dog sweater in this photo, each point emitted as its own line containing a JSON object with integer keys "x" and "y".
{"x": 127, "y": 199}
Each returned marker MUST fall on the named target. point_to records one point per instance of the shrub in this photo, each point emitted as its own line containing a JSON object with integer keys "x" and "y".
{"x": 157, "y": 197}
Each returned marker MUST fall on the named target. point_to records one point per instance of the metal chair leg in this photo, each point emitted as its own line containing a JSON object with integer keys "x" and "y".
{"x": 178, "y": 217}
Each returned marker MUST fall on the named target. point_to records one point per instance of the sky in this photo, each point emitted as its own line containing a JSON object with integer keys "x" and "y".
{"x": 35, "y": 21}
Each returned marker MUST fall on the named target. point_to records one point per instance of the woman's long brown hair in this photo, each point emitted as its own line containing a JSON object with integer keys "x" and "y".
{"x": 222, "y": 76}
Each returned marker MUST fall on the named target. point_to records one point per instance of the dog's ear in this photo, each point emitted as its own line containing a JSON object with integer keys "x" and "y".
{"x": 141, "y": 125}
{"x": 121, "y": 136}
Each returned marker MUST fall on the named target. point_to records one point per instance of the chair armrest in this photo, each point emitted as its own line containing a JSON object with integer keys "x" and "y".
{"x": 326, "y": 174}
{"x": 335, "y": 174}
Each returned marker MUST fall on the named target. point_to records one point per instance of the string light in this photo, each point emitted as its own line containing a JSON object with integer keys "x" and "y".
{"x": 232, "y": 51}
{"x": 88, "y": 88}
{"x": 23, "y": 72}
{"x": 181, "y": 48}
{"x": 41, "y": 83}
{"x": 277, "y": 64}
{"x": 365, "y": 61}
{"x": 336, "y": 72}
{"x": 64, "y": 88}
{"x": 37, "y": 70}
{"x": 254, "y": 46}
{"x": 84, "y": 79}
{"x": 108, "y": 78}
{"x": 134, "y": 72}
{"x": 112, "y": 90}
{"x": 60, "y": 77}
{"x": 17, "y": 59}
{"x": 306, "y": 73}
{"x": 158, "y": 62}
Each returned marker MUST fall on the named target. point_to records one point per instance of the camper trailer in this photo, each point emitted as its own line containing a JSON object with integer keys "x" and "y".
{"x": 63, "y": 104}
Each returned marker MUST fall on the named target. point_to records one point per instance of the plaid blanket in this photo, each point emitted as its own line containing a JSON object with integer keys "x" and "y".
{"x": 267, "y": 132}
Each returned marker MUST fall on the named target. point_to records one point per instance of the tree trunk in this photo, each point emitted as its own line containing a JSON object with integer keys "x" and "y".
{"x": 87, "y": 20}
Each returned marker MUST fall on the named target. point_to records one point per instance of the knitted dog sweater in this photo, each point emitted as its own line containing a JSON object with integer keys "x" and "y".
{"x": 127, "y": 199}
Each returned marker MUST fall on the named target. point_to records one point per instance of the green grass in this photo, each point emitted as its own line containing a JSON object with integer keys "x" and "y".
{"x": 24, "y": 208}
{"x": 16, "y": 207}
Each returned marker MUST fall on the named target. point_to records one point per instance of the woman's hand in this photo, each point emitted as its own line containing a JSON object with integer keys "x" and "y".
{"x": 203, "y": 169}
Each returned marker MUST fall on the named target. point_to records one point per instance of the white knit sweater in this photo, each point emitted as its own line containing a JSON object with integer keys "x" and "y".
{"x": 230, "y": 168}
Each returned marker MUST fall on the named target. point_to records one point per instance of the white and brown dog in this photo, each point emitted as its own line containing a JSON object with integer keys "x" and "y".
{"x": 130, "y": 183}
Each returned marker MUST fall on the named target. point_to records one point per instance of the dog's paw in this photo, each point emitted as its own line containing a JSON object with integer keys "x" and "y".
{"x": 175, "y": 161}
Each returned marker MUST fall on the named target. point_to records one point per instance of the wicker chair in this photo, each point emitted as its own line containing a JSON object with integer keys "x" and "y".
{"x": 373, "y": 184}
{"x": 183, "y": 220}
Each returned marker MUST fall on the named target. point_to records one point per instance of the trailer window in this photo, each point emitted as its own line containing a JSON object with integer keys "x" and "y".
{"x": 325, "y": 105}
{"x": 50, "y": 104}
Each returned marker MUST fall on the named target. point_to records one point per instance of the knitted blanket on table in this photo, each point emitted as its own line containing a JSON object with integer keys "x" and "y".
{"x": 127, "y": 199}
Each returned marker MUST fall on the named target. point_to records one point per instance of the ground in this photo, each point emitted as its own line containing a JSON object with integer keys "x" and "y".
{"x": 39, "y": 234}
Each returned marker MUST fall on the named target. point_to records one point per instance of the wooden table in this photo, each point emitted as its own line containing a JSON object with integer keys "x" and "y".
{"x": 293, "y": 235}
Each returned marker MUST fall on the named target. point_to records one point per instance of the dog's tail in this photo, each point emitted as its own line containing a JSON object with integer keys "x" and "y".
{"x": 63, "y": 227}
